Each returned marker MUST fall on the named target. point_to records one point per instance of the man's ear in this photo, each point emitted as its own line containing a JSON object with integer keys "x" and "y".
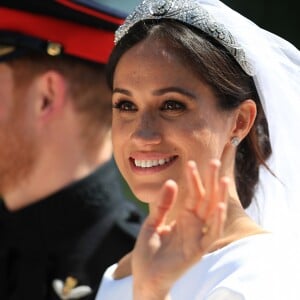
{"x": 52, "y": 94}
{"x": 245, "y": 117}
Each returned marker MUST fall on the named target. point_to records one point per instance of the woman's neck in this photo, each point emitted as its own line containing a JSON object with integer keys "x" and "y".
{"x": 238, "y": 225}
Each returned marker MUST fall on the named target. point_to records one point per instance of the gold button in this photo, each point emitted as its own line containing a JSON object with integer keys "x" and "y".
{"x": 54, "y": 49}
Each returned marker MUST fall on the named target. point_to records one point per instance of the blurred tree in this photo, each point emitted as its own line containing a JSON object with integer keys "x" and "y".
{"x": 279, "y": 17}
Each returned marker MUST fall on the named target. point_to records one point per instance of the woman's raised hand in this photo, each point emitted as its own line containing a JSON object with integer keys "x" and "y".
{"x": 163, "y": 252}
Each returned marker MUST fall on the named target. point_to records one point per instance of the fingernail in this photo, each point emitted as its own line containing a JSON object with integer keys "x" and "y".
{"x": 215, "y": 162}
{"x": 192, "y": 164}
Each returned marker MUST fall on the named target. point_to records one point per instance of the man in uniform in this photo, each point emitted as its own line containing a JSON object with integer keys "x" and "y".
{"x": 63, "y": 216}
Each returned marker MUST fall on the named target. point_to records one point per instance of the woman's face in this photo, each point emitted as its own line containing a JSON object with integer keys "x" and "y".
{"x": 163, "y": 116}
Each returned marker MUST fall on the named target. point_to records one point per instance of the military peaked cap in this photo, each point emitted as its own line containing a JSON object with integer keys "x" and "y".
{"x": 78, "y": 28}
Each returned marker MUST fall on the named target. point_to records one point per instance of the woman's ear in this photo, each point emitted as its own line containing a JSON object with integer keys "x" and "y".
{"x": 245, "y": 117}
{"x": 52, "y": 94}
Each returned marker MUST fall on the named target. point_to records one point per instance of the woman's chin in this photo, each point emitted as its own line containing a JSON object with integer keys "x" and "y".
{"x": 147, "y": 196}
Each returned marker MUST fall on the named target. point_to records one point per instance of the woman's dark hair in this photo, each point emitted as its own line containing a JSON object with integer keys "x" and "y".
{"x": 215, "y": 66}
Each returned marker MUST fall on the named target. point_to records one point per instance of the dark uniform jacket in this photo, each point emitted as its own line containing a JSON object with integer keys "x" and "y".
{"x": 78, "y": 231}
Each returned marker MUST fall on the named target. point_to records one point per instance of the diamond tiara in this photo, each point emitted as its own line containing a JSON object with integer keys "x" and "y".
{"x": 191, "y": 13}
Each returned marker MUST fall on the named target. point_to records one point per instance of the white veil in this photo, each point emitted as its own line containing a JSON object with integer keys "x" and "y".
{"x": 276, "y": 67}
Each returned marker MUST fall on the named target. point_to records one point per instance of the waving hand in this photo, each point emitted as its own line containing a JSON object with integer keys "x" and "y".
{"x": 163, "y": 252}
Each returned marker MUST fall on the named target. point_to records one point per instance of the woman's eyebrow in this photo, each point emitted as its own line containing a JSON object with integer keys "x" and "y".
{"x": 175, "y": 89}
{"x": 122, "y": 91}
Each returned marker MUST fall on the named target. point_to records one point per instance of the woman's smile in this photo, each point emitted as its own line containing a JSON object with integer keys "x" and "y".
{"x": 151, "y": 163}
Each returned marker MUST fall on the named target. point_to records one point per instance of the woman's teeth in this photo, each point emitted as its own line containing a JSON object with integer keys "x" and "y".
{"x": 151, "y": 163}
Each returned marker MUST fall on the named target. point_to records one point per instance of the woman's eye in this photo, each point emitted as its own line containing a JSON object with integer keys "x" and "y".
{"x": 173, "y": 105}
{"x": 125, "y": 106}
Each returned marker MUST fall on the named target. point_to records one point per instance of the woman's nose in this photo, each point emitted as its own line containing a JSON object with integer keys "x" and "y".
{"x": 148, "y": 130}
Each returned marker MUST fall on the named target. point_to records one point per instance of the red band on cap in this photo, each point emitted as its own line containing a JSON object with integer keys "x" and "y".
{"x": 77, "y": 40}
{"x": 91, "y": 12}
